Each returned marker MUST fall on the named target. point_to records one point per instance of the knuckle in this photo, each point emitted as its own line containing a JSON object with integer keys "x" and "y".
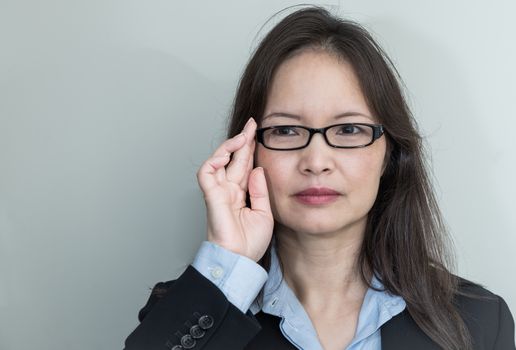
{"x": 199, "y": 171}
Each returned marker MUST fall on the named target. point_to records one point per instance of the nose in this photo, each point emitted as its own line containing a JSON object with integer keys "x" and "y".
{"x": 318, "y": 157}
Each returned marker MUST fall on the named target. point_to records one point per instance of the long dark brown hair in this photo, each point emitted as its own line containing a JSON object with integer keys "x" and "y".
{"x": 405, "y": 243}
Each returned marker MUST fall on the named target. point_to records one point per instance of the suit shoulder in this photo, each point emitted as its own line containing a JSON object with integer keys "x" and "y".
{"x": 474, "y": 298}
{"x": 486, "y": 314}
{"x": 470, "y": 287}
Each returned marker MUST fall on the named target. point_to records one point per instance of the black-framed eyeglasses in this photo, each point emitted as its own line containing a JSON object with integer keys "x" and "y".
{"x": 292, "y": 137}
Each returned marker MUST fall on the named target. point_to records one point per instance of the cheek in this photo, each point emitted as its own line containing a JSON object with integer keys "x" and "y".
{"x": 363, "y": 168}
{"x": 279, "y": 172}
{"x": 362, "y": 176}
{"x": 276, "y": 167}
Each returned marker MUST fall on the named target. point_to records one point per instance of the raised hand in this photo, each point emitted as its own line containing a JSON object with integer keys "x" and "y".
{"x": 232, "y": 225}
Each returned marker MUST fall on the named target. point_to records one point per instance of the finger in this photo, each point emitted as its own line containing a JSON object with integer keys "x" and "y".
{"x": 250, "y": 166}
{"x": 207, "y": 174}
{"x": 258, "y": 193}
{"x": 212, "y": 171}
{"x": 237, "y": 170}
{"x": 230, "y": 145}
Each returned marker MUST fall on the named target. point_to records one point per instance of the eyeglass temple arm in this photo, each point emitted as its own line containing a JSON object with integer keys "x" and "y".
{"x": 378, "y": 131}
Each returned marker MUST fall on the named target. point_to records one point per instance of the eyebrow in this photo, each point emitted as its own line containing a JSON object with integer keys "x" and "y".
{"x": 297, "y": 117}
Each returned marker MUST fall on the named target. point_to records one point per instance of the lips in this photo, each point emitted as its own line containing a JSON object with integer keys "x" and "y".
{"x": 317, "y": 196}
{"x": 321, "y": 191}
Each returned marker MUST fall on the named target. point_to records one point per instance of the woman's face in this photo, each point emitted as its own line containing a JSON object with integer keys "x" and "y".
{"x": 317, "y": 88}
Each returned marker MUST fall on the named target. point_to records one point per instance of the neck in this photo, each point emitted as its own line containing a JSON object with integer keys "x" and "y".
{"x": 322, "y": 269}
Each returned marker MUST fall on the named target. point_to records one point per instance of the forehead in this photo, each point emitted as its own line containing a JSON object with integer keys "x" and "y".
{"x": 314, "y": 86}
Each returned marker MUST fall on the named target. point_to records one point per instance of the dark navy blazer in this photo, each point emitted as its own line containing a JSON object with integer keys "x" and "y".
{"x": 192, "y": 313}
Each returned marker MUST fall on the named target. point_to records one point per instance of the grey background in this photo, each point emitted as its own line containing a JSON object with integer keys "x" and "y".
{"x": 108, "y": 108}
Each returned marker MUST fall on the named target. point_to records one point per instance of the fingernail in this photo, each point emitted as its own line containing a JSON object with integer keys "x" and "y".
{"x": 248, "y": 121}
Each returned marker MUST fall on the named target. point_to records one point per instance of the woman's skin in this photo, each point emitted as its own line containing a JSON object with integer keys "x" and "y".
{"x": 318, "y": 244}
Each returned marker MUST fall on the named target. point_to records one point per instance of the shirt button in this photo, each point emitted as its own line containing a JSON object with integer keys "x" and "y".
{"x": 217, "y": 272}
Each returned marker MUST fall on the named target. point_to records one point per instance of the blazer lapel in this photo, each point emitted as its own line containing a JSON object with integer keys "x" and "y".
{"x": 402, "y": 333}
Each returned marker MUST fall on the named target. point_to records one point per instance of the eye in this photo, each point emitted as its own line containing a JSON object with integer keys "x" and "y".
{"x": 349, "y": 129}
{"x": 284, "y": 131}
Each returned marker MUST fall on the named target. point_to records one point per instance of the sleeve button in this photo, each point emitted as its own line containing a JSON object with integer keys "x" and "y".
{"x": 187, "y": 341}
{"x": 177, "y": 347}
{"x": 197, "y": 332}
{"x": 205, "y": 321}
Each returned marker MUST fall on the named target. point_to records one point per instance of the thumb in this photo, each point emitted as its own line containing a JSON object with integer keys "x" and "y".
{"x": 258, "y": 193}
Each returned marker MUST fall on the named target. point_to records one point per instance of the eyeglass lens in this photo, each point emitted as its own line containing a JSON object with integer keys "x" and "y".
{"x": 344, "y": 135}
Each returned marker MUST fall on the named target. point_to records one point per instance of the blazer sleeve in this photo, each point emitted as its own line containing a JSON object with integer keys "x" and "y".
{"x": 191, "y": 313}
{"x": 505, "y": 337}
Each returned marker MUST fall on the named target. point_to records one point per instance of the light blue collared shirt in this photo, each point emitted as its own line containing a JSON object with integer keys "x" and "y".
{"x": 241, "y": 279}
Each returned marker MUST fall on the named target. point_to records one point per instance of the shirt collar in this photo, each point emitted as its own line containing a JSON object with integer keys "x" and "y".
{"x": 279, "y": 300}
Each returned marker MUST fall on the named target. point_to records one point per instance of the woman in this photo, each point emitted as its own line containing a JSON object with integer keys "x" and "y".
{"x": 323, "y": 231}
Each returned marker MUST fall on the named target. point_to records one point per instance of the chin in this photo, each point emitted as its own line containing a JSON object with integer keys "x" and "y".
{"x": 322, "y": 224}
{"x": 315, "y": 227}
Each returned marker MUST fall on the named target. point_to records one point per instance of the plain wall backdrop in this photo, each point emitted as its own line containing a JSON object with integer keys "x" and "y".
{"x": 108, "y": 108}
